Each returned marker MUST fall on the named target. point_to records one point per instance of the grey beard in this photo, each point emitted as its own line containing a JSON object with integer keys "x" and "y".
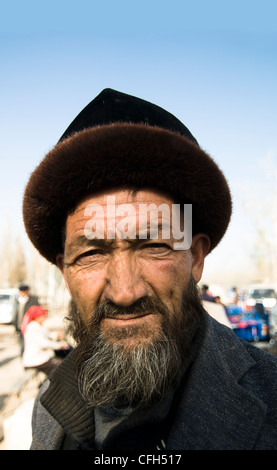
{"x": 109, "y": 374}
{"x": 142, "y": 375}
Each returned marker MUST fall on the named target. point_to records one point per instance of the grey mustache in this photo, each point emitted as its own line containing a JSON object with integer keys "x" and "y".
{"x": 144, "y": 304}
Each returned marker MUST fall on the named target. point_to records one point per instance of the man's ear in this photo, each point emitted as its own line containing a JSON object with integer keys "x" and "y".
{"x": 60, "y": 262}
{"x": 199, "y": 248}
{"x": 61, "y": 266}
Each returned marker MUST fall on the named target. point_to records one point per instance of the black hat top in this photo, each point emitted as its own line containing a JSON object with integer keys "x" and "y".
{"x": 112, "y": 106}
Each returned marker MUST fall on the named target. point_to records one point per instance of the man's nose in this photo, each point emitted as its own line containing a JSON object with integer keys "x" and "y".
{"x": 124, "y": 281}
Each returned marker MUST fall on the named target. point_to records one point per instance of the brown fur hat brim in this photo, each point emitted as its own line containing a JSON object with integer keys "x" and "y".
{"x": 123, "y": 155}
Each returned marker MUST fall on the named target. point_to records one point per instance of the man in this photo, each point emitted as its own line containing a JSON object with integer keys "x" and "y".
{"x": 151, "y": 369}
{"x": 205, "y": 294}
{"x": 24, "y": 302}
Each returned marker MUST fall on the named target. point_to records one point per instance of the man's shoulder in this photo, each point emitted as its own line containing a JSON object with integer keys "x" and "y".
{"x": 259, "y": 354}
{"x": 244, "y": 358}
{"x": 229, "y": 399}
{"x": 263, "y": 374}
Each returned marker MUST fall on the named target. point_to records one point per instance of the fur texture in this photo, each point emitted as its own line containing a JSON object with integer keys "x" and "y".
{"x": 123, "y": 155}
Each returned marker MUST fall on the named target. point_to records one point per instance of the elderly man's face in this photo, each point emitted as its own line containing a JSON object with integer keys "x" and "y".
{"x": 122, "y": 271}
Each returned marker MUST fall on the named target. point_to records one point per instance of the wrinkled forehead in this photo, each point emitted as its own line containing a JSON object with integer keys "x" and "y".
{"x": 128, "y": 214}
{"x": 128, "y": 203}
{"x": 126, "y": 195}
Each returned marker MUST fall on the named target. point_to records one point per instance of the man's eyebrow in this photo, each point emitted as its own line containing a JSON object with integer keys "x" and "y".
{"x": 84, "y": 242}
{"x": 144, "y": 233}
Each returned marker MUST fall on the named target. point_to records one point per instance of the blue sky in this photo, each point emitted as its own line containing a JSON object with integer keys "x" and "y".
{"x": 212, "y": 64}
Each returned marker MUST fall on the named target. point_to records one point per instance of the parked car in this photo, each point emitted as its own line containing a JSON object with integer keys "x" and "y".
{"x": 8, "y": 305}
{"x": 273, "y": 323}
{"x": 260, "y": 293}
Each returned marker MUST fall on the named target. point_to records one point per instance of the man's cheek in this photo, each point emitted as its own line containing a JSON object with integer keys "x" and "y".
{"x": 82, "y": 303}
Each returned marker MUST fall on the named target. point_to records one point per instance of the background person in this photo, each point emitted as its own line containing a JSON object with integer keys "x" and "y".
{"x": 24, "y": 302}
{"x": 39, "y": 350}
{"x": 205, "y": 295}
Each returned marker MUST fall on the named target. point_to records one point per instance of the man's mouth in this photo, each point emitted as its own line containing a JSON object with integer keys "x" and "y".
{"x": 128, "y": 316}
{"x": 125, "y": 320}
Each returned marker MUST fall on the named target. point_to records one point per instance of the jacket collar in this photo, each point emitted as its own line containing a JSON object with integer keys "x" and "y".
{"x": 215, "y": 411}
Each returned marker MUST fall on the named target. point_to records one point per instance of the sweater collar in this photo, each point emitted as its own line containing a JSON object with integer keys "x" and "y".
{"x": 64, "y": 402}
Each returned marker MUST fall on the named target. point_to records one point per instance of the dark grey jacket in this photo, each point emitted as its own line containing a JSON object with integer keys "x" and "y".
{"x": 228, "y": 400}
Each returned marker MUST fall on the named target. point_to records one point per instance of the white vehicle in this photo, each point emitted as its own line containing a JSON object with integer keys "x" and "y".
{"x": 260, "y": 293}
{"x": 273, "y": 322}
{"x": 8, "y": 305}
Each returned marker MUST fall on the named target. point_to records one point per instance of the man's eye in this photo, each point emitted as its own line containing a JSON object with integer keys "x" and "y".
{"x": 88, "y": 254}
{"x": 156, "y": 247}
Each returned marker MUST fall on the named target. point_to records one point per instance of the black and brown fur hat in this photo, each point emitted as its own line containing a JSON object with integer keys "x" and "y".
{"x": 120, "y": 141}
